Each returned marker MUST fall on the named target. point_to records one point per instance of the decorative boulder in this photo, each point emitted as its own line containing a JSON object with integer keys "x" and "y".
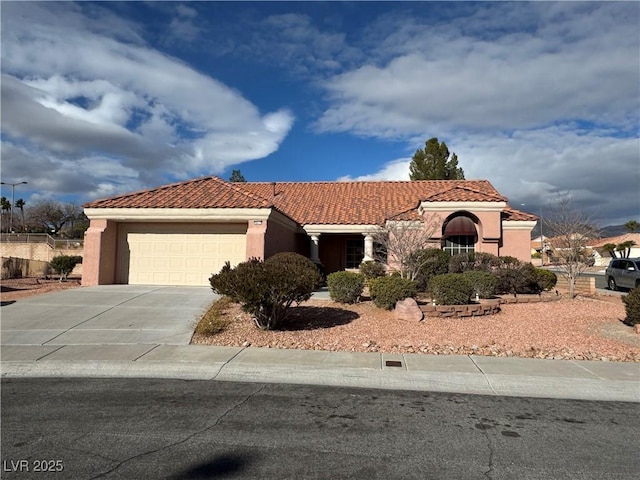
{"x": 408, "y": 309}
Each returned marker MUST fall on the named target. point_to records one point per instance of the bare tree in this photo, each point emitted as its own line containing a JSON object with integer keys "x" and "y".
{"x": 52, "y": 216}
{"x": 572, "y": 230}
{"x": 399, "y": 240}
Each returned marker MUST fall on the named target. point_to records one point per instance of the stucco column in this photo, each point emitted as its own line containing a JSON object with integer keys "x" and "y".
{"x": 368, "y": 247}
{"x": 99, "y": 253}
{"x": 315, "y": 255}
{"x": 256, "y": 231}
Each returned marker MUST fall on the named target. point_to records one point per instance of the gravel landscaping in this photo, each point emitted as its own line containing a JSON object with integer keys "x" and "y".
{"x": 588, "y": 328}
{"x": 583, "y": 328}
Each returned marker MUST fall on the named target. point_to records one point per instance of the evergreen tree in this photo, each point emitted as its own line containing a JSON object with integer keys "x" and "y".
{"x": 434, "y": 163}
{"x": 236, "y": 176}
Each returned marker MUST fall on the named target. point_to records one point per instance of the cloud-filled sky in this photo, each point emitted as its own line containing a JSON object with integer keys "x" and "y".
{"x": 541, "y": 98}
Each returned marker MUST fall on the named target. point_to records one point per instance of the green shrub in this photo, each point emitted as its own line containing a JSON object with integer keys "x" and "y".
{"x": 431, "y": 261}
{"x": 546, "y": 279}
{"x": 215, "y": 320}
{"x": 345, "y": 287}
{"x": 483, "y": 283}
{"x": 387, "y": 291}
{"x": 267, "y": 289}
{"x": 473, "y": 261}
{"x": 517, "y": 277}
{"x": 63, "y": 265}
{"x": 451, "y": 289}
{"x": 371, "y": 269}
{"x": 632, "y": 306}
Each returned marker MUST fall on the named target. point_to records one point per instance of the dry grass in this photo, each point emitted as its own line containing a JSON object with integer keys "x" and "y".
{"x": 216, "y": 319}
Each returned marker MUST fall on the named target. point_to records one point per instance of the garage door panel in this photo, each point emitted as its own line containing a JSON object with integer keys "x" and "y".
{"x": 178, "y": 254}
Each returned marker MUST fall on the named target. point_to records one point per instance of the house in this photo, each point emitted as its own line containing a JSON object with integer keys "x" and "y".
{"x": 602, "y": 257}
{"x": 180, "y": 234}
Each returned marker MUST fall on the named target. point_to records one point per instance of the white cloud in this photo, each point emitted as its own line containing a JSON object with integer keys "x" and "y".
{"x": 567, "y": 66}
{"x": 80, "y": 94}
{"x": 535, "y": 168}
{"x": 394, "y": 170}
{"x": 541, "y": 99}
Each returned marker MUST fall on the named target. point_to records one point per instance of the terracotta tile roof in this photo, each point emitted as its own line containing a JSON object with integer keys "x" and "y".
{"x": 516, "y": 215}
{"x": 345, "y": 203}
{"x": 634, "y": 237}
{"x": 207, "y": 192}
{"x": 465, "y": 193}
{"x": 365, "y": 203}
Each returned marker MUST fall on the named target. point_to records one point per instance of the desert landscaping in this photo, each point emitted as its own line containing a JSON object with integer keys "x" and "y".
{"x": 585, "y": 328}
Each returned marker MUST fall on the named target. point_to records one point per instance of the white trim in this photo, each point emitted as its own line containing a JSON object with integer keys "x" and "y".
{"x": 469, "y": 206}
{"x": 417, "y": 224}
{"x": 518, "y": 225}
{"x": 317, "y": 229}
{"x": 178, "y": 214}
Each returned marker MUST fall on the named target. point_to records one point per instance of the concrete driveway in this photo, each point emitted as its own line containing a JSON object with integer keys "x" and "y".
{"x": 106, "y": 315}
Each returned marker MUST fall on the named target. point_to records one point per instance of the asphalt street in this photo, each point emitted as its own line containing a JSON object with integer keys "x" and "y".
{"x": 84, "y": 428}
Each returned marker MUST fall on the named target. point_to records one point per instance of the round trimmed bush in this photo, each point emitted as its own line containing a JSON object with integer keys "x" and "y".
{"x": 267, "y": 289}
{"x": 371, "y": 269}
{"x": 483, "y": 283}
{"x": 387, "y": 291}
{"x": 451, "y": 289}
{"x": 546, "y": 279}
{"x": 345, "y": 287}
{"x": 431, "y": 261}
{"x": 632, "y": 306}
{"x": 473, "y": 261}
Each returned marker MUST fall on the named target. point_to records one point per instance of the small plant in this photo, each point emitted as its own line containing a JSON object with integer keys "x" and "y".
{"x": 451, "y": 289}
{"x": 267, "y": 289}
{"x": 483, "y": 283}
{"x": 63, "y": 265}
{"x": 387, "y": 291}
{"x": 215, "y": 320}
{"x": 371, "y": 269}
{"x": 345, "y": 287}
{"x": 546, "y": 279}
{"x": 632, "y": 306}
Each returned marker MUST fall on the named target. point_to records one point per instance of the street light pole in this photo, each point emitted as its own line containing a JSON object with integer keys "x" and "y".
{"x": 541, "y": 239}
{"x": 13, "y": 203}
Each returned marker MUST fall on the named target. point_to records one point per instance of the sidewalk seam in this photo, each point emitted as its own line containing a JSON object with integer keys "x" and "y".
{"x": 483, "y": 374}
{"x": 587, "y": 370}
{"x": 227, "y": 363}
{"x": 148, "y": 351}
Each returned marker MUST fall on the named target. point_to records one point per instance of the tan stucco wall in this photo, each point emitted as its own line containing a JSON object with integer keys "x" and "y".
{"x": 35, "y": 251}
{"x": 516, "y": 243}
{"x": 256, "y": 231}
{"x": 100, "y": 253}
{"x": 279, "y": 238}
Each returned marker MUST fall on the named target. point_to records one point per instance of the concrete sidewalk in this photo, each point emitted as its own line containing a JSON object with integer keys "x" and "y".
{"x": 585, "y": 380}
{"x": 142, "y": 331}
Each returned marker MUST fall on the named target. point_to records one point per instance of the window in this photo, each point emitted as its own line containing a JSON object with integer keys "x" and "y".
{"x": 460, "y": 235}
{"x": 456, "y": 244}
{"x": 355, "y": 253}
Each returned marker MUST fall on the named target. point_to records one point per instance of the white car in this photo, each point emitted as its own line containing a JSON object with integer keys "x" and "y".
{"x": 623, "y": 272}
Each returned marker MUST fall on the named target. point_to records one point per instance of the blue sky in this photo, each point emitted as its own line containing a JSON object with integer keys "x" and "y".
{"x": 541, "y": 98}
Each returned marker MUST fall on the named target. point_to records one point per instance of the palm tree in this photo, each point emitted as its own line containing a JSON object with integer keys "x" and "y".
{"x": 20, "y": 203}
{"x": 5, "y": 204}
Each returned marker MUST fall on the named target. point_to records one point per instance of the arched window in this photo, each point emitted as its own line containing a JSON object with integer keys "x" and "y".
{"x": 460, "y": 235}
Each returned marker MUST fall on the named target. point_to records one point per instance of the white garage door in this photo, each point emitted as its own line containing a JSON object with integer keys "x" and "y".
{"x": 178, "y": 254}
